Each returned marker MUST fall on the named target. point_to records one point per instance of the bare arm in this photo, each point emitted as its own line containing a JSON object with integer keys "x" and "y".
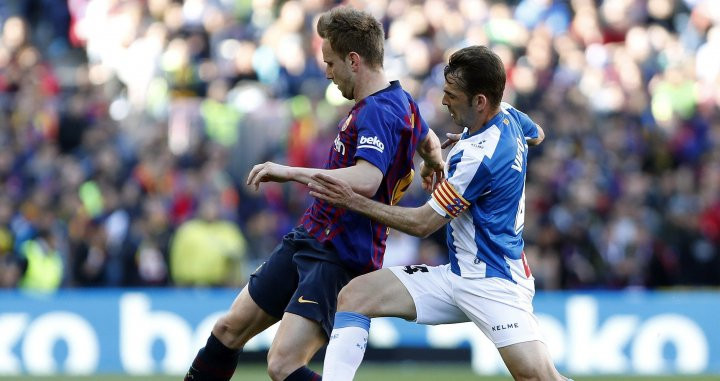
{"x": 363, "y": 177}
{"x": 420, "y": 221}
{"x": 432, "y": 169}
{"x": 429, "y": 150}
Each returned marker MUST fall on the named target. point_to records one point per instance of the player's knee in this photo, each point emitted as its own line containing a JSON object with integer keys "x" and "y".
{"x": 534, "y": 372}
{"x": 351, "y": 299}
{"x": 344, "y": 299}
{"x": 228, "y": 332}
{"x": 526, "y": 375}
{"x": 281, "y": 365}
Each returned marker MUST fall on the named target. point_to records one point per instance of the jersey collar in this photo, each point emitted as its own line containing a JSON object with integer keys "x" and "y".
{"x": 495, "y": 120}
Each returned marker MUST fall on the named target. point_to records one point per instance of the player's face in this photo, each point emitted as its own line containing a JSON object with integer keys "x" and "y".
{"x": 338, "y": 70}
{"x": 460, "y": 107}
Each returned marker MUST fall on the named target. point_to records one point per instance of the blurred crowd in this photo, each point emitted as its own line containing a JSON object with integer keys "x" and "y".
{"x": 127, "y": 129}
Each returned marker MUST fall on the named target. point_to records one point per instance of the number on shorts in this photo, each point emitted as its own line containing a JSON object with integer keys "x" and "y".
{"x": 415, "y": 268}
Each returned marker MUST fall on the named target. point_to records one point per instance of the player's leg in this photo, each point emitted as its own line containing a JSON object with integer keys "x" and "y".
{"x": 244, "y": 320}
{"x": 503, "y": 311}
{"x": 410, "y": 292}
{"x": 296, "y": 342}
{"x": 218, "y": 359}
{"x": 529, "y": 361}
{"x": 378, "y": 293}
{"x": 259, "y": 305}
{"x": 309, "y": 315}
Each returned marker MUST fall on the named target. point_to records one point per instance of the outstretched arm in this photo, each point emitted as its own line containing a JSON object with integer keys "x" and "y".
{"x": 420, "y": 221}
{"x": 363, "y": 177}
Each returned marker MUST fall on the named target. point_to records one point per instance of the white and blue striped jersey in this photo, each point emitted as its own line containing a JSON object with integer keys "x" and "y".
{"x": 484, "y": 194}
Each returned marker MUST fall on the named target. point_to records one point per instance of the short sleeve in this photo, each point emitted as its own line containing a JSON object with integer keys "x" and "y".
{"x": 424, "y": 128}
{"x": 375, "y": 140}
{"x": 529, "y": 128}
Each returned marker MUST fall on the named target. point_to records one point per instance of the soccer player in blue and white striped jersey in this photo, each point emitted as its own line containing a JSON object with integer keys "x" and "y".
{"x": 482, "y": 202}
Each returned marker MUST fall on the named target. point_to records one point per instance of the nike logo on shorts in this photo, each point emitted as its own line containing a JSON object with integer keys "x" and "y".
{"x": 303, "y": 300}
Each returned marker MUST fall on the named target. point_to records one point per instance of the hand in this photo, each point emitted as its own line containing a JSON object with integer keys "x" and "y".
{"x": 451, "y": 140}
{"x": 268, "y": 171}
{"x": 331, "y": 189}
{"x": 431, "y": 175}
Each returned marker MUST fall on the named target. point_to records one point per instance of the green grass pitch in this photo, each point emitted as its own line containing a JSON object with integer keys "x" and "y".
{"x": 370, "y": 372}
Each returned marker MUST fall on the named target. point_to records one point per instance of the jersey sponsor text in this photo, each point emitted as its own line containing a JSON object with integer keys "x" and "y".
{"x": 372, "y": 143}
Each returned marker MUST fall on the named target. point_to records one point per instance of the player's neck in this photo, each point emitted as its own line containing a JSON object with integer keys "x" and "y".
{"x": 483, "y": 120}
{"x": 370, "y": 82}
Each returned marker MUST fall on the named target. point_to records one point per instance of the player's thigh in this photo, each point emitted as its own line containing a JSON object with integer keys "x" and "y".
{"x": 431, "y": 294}
{"x": 296, "y": 341}
{"x": 272, "y": 285}
{"x": 501, "y": 309}
{"x": 529, "y": 360}
{"x": 376, "y": 294}
{"x": 243, "y": 321}
{"x": 316, "y": 295}
{"x": 262, "y": 302}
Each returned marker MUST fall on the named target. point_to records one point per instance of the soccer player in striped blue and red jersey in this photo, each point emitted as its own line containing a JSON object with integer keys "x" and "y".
{"x": 373, "y": 152}
{"x": 482, "y": 202}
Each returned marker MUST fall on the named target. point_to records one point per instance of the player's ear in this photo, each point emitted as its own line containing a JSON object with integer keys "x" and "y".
{"x": 354, "y": 60}
{"x": 480, "y": 101}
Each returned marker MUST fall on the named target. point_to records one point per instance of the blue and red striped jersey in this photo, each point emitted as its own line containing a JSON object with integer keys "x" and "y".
{"x": 383, "y": 129}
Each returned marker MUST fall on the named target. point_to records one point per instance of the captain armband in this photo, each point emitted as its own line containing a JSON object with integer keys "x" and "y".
{"x": 449, "y": 199}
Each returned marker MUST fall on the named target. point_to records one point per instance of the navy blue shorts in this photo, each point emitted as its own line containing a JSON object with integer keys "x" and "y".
{"x": 303, "y": 277}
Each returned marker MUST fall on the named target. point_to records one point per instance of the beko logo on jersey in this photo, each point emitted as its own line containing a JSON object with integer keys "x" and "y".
{"x": 373, "y": 143}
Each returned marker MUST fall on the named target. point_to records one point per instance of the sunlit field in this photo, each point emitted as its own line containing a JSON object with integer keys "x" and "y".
{"x": 393, "y": 372}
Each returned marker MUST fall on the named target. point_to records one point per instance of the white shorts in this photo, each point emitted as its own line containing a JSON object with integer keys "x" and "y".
{"x": 502, "y": 309}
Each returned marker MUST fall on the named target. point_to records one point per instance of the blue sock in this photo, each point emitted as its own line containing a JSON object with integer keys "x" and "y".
{"x": 351, "y": 319}
{"x": 303, "y": 374}
{"x": 214, "y": 362}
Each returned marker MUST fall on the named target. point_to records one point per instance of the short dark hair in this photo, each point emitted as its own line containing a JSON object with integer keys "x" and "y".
{"x": 350, "y": 30}
{"x": 477, "y": 70}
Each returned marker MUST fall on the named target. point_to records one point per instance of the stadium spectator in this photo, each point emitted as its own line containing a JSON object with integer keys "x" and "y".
{"x": 43, "y": 263}
{"x": 207, "y": 251}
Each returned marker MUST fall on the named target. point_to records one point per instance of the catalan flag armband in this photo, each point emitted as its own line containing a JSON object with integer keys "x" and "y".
{"x": 449, "y": 199}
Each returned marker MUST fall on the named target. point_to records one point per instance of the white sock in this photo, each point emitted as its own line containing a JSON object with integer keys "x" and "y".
{"x": 346, "y": 349}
